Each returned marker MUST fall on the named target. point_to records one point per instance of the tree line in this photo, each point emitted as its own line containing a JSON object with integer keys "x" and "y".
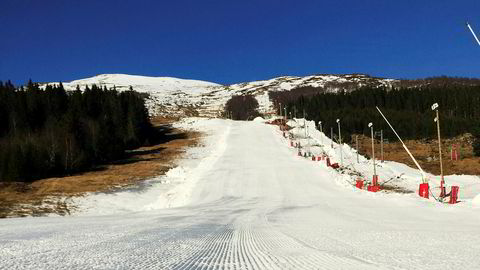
{"x": 408, "y": 109}
{"x": 241, "y": 107}
{"x": 49, "y": 132}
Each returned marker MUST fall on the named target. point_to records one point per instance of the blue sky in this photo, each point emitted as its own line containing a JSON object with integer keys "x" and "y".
{"x": 235, "y": 41}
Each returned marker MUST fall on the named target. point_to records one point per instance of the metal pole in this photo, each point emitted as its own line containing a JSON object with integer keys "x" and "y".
{"x": 304, "y": 123}
{"x": 280, "y": 108}
{"x": 442, "y": 181}
{"x": 340, "y": 140}
{"x": 381, "y": 143}
{"x": 439, "y": 146}
{"x": 285, "y": 108}
{"x": 373, "y": 150}
{"x": 356, "y": 142}
{"x": 473, "y": 33}
{"x": 331, "y": 136}
{"x": 321, "y": 132}
{"x": 424, "y": 176}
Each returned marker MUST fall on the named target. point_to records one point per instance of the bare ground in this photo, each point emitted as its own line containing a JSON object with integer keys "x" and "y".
{"x": 50, "y": 195}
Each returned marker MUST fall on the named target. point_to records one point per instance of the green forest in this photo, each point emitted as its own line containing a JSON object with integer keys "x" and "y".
{"x": 408, "y": 109}
{"x": 49, "y": 132}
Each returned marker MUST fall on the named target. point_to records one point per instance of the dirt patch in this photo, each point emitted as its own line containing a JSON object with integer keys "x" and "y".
{"x": 51, "y": 195}
{"x": 426, "y": 153}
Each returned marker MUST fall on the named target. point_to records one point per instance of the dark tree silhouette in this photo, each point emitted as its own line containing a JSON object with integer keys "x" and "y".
{"x": 51, "y": 132}
{"x": 243, "y": 107}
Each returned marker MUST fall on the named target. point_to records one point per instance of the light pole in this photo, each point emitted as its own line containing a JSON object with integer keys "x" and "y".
{"x": 340, "y": 140}
{"x": 305, "y": 123}
{"x": 331, "y": 137}
{"x": 370, "y": 125}
{"x": 437, "y": 119}
{"x": 285, "y": 114}
{"x": 320, "y": 126}
{"x": 381, "y": 143}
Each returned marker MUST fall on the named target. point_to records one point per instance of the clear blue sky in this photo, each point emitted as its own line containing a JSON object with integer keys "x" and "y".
{"x": 231, "y": 41}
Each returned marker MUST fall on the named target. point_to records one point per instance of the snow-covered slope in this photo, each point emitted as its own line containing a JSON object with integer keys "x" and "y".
{"x": 330, "y": 83}
{"x": 173, "y": 96}
{"x": 167, "y": 95}
{"x": 247, "y": 201}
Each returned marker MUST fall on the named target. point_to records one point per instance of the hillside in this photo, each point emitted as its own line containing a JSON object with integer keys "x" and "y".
{"x": 180, "y": 97}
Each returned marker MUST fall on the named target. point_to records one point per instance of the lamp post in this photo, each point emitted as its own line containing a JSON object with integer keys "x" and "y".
{"x": 321, "y": 135}
{"x": 381, "y": 144}
{"x": 437, "y": 119}
{"x": 285, "y": 114}
{"x": 331, "y": 137}
{"x": 375, "y": 177}
{"x": 280, "y": 108}
{"x": 340, "y": 141}
{"x": 305, "y": 122}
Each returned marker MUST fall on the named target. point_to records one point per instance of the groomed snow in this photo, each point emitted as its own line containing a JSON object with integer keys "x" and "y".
{"x": 247, "y": 201}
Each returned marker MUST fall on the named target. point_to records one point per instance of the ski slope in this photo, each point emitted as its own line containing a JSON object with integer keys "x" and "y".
{"x": 247, "y": 201}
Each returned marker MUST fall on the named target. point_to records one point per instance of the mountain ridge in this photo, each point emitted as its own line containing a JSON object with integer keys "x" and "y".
{"x": 185, "y": 97}
{"x": 170, "y": 96}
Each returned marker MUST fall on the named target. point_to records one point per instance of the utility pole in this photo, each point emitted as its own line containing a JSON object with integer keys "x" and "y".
{"x": 370, "y": 125}
{"x": 340, "y": 140}
{"x": 442, "y": 181}
{"x": 381, "y": 143}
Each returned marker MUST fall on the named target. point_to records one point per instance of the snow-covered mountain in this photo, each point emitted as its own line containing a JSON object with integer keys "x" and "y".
{"x": 180, "y": 97}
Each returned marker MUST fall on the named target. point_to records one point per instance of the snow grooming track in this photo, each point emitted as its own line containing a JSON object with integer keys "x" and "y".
{"x": 248, "y": 244}
{"x": 249, "y": 202}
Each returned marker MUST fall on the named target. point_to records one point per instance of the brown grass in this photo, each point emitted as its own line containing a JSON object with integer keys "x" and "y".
{"x": 426, "y": 153}
{"x": 48, "y": 195}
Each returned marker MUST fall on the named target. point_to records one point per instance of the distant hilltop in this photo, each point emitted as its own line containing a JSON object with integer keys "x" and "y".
{"x": 183, "y": 97}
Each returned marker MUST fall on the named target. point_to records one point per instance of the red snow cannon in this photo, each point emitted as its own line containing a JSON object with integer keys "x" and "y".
{"x": 423, "y": 190}
{"x": 454, "y": 195}
{"x": 359, "y": 184}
